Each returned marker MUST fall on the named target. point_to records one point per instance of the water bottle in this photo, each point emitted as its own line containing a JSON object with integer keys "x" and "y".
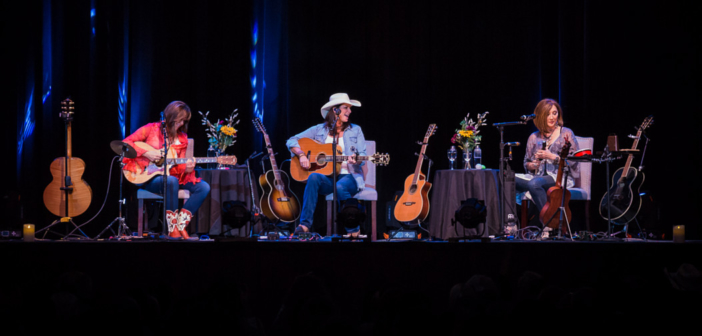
{"x": 211, "y": 153}
{"x": 477, "y": 155}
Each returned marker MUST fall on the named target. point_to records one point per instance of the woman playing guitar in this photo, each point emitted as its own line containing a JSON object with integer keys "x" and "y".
{"x": 351, "y": 141}
{"x": 542, "y": 153}
{"x": 177, "y": 115}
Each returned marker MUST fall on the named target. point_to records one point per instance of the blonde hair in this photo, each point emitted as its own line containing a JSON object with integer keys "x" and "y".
{"x": 541, "y": 111}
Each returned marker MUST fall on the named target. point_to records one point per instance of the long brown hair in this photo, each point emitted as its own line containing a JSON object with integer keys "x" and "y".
{"x": 541, "y": 111}
{"x": 329, "y": 120}
{"x": 174, "y": 110}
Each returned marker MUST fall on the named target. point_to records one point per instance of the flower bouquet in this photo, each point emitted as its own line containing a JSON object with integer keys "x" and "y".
{"x": 221, "y": 134}
{"x": 467, "y": 136}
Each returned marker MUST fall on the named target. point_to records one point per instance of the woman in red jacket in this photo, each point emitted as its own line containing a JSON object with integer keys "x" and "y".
{"x": 177, "y": 115}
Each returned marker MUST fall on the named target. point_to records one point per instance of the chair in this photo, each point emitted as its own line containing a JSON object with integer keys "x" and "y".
{"x": 147, "y": 195}
{"x": 581, "y": 188}
{"x": 368, "y": 194}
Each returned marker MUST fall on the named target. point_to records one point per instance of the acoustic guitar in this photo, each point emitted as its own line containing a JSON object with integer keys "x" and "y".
{"x": 320, "y": 157}
{"x": 624, "y": 193}
{"x": 67, "y": 189}
{"x": 277, "y": 201}
{"x": 155, "y": 168}
{"x": 549, "y": 213}
{"x": 414, "y": 203}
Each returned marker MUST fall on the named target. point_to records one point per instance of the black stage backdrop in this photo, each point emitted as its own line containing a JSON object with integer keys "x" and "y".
{"x": 410, "y": 64}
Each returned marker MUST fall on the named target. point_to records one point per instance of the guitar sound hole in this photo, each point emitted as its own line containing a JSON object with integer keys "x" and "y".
{"x": 413, "y": 189}
{"x": 321, "y": 159}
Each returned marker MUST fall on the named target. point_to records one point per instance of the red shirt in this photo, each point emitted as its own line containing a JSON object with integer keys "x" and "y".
{"x": 151, "y": 134}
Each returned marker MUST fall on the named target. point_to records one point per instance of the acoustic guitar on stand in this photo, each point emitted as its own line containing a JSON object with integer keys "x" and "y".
{"x": 320, "y": 157}
{"x": 67, "y": 190}
{"x": 414, "y": 203}
{"x": 624, "y": 195}
{"x": 155, "y": 168}
{"x": 277, "y": 201}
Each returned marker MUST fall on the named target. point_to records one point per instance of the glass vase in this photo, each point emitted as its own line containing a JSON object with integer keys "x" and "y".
{"x": 466, "y": 159}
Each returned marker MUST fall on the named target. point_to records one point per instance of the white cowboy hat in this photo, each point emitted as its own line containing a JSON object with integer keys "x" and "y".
{"x": 336, "y": 99}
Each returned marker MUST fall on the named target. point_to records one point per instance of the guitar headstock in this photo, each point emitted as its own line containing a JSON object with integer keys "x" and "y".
{"x": 227, "y": 160}
{"x": 380, "y": 159}
{"x": 259, "y": 125}
{"x": 646, "y": 123}
{"x": 430, "y": 131}
{"x": 67, "y": 109}
{"x": 566, "y": 148}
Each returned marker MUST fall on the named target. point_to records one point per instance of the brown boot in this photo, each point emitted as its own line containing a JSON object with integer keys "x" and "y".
{"x": 172, "y": 222}
{"x": 183, "y": 220}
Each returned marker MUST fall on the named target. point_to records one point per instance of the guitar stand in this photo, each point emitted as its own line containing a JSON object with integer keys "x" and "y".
{"x": 66, "y": 236}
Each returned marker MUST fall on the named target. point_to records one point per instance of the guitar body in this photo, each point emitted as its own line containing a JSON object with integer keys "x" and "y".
{"x": 320, "y": 160}
{"x": 78, "y": 199}
{"x": 625, "y": 198}
{"x": 414, "y": 203}
{"x": 277, "y": 201}
{"x": 149, "y": 171}
{"x": 549, "y": 215}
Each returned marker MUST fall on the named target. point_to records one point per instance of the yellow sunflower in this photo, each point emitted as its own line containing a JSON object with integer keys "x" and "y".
{"x": 228, "y": 130}
{"x": 465, "y": 133}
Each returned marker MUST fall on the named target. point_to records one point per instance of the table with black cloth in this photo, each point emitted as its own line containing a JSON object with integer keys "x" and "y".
{"x": 225, "y": 185}
{"x": 450, "y": 187}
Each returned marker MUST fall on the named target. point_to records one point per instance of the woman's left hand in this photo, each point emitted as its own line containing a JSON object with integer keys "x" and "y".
{"x": 189, "y": 165}
{"x": 543, "y": 154}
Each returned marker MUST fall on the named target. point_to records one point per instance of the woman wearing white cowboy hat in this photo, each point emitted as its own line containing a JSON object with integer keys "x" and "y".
{"x": 351, "y": 141}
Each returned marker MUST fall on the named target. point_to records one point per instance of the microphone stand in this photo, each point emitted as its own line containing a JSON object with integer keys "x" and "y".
{"x": 501, "y": 127}
{"x": 335, "y": 141}
{"x": 255, "y": 211}
{"x": 165, "y": 170}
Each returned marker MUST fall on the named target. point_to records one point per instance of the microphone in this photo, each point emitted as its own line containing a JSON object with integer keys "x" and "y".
{"x": 512, "y": 144}
{"x": 633, "y": 137}
{"x": 528, "y": 117}
{"x": 254, "y": 155}
{"x": 337, "y": 110}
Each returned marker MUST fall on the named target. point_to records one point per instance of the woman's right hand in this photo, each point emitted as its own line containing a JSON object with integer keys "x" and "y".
{"x": 533, "y": 165}
{"x": 153, "y": 155}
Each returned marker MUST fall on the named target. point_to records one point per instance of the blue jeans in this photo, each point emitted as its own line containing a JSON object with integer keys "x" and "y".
{"x": 537, "y": 187}
{"x": 318, "y": 184}
{"x": 198, "y": 192}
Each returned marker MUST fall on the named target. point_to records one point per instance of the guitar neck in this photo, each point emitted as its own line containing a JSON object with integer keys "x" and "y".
{"x": 630, "y": 158}
{"x": 197, "y": 160}
{"x": 271, "y": 154}
{"x": 420, "y": 161}
{"x": 340, "y": 158}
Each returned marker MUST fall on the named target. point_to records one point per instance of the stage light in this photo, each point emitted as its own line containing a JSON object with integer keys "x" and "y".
{"x": 352, "y": 214}
{"x": 471, "y": 213}
{"x": 234, "y": 214}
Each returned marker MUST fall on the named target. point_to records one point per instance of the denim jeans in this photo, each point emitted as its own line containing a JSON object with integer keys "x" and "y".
{"x": 198, "y": 192}
{"x": 537, "y": 187}
{"x": 318, "y": 184}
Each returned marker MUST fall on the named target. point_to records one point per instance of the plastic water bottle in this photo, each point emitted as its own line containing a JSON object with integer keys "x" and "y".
{"x": 477, "y": 156}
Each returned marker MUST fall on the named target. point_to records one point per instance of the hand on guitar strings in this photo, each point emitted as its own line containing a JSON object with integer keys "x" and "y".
{"x": 153, "y": 155}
